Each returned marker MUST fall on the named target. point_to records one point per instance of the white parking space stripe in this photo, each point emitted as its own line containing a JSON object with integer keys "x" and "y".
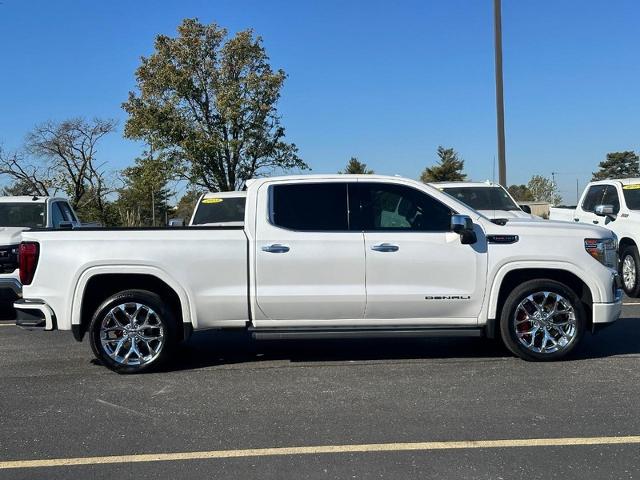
{"x": 321, "y": 449}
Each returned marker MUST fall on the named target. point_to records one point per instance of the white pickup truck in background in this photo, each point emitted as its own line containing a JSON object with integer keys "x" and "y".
{"x": 490, "y": 199}
{"x": 324, "y": 257}
{"x": 19, "y": 213}
{"x": 220, "y": 208}
{"x": 614, "y": 204}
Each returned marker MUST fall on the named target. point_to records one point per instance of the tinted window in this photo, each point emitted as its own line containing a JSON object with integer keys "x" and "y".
{"x": 220, "y": 210}
{"x": 400, "y": 208}
{"x": 56, "y": 215}
{"x": 632, "y": 196}
{"x": 310, "y": 206}
{"x": 610, "y": 197}
{"x": 67, "y": 212}
{"x": 483, "y": 198}
{"x": 593, "y": 198}
{"x": 22, "y": 215}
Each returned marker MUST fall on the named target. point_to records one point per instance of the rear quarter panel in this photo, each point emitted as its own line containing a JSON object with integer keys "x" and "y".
{"x": 206, "y": 267}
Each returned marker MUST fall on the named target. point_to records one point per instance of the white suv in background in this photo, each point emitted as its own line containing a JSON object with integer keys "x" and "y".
{"x": 490, "y": 199}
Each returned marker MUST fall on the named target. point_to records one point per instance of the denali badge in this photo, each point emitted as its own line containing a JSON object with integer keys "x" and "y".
{"x": 448, "y": 297}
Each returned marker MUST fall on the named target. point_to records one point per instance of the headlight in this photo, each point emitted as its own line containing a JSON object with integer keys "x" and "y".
{"x": 604, "y": 250}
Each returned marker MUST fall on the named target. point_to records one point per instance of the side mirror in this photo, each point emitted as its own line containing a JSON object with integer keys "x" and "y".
{"x": 525, "y": 208}
{"x": 463, "y": 226}
{"x": 175, "y": 222}
{"x": 604, "y": 210}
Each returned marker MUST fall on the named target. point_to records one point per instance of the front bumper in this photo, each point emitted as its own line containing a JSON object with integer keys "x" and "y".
{"x": 604, "y": 314}
{"x": 34, "y": 314}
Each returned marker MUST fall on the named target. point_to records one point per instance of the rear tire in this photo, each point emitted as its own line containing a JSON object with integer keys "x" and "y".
{"x": 133, "y": 331}
{"x": 542, "y": 320}
{"x": 629, "y": 267}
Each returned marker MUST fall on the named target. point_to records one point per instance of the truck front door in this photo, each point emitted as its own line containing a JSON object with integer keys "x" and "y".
{"x": 416, "y": 267}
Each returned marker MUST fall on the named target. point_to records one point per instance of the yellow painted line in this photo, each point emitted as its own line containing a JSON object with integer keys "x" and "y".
{"x": 320, "y": 449}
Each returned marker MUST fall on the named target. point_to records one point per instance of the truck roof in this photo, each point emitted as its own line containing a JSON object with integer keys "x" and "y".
{"x": 232, "y": 194}
{"x": 464, "y": 184}
{"x": 623, "y": 181}
{"x": 28, "y": 199}
{"x": 331, "y": 176}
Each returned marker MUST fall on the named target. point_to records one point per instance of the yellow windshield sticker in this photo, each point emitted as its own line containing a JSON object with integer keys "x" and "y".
{"x": 635, "y": 186}
{"x": 212, "y": 200}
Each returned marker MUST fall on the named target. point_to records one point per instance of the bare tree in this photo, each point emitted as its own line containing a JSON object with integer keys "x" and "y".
{"x": 27, "y": 178}
{"x": 69, "y": 148}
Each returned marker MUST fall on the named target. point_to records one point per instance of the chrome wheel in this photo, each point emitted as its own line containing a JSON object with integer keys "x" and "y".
{"x": 545, "y": 322}
{"x": 629, "y": 272}
{"x": 132, "y": 334}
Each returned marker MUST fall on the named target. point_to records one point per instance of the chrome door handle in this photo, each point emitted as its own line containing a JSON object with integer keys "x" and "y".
{"x": 385, "y": 247}
{"x": 275, "y": 248}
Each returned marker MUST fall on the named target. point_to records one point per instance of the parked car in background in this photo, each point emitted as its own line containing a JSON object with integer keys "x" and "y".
{"x": 335, "y": 256}
{"x": 614, "y": 204}
{"x": 220, "y": 208}
{"x": 19, "y": 213}
{"x": 490, "y": 199}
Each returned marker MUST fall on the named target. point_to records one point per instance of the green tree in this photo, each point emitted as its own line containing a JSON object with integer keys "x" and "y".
{"x": 186, "y": 205}
{"x": 143, "y": 199}
{"x": 544, "y": 190}
{"x": 355, "y": 167}
{"x": 521, "y": 193}
{"x": 618, "y": 165}
{"x": 448, "y": 169}
{"x": 209, "y": 101}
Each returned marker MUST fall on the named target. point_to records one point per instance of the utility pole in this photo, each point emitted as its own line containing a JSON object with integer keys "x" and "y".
{"x": 502, "y": 162}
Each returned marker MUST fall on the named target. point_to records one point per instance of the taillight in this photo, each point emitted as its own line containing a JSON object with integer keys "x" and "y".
{"x": 28, "y": 261}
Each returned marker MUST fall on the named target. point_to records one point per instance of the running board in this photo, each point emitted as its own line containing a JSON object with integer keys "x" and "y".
{"x": 369, "y": 332}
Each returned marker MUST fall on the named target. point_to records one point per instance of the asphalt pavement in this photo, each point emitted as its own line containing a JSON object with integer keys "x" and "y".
{"x": 411, "y": 408}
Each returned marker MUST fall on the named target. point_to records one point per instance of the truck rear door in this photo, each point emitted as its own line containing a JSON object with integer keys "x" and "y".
{"x": 309, "y": 266}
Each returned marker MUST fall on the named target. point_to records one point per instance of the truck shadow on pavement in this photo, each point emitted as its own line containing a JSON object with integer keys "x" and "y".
{"x": 213, "y": 348}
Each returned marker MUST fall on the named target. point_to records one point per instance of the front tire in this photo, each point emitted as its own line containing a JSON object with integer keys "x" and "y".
{"x": 542, "y": 320}
{"x": 133, "y": 331}
{"x": 629, "y": 267}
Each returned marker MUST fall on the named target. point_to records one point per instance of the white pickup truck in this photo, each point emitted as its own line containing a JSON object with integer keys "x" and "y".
{"x": 19, "y": 213}
{"x": 325, "y": 257}
{"x": 614, "y": 204}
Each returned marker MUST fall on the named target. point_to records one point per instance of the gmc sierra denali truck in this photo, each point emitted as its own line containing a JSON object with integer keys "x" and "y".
{"x": 324, "y": 257}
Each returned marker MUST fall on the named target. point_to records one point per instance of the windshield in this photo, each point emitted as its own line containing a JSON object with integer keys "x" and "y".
{"x": 483, "y": 198}
{"x": 632, "y": 196}
{"x": 220, "y": 210}
{"x": 22, "y": 215}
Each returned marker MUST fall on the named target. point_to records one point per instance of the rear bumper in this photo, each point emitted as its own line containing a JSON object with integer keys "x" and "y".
{"x": 34, "y": 314}
{"x": 606, "y": 313}
{"x": 10, "y": 289}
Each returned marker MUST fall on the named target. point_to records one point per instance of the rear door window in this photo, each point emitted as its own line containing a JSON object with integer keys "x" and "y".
{"x": 319, "y": 207}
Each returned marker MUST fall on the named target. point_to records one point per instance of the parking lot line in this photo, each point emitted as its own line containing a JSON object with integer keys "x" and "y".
{"x": 631, "y": 303}
{"x": 321, "y": 449}
{"x": 7, "y": 324}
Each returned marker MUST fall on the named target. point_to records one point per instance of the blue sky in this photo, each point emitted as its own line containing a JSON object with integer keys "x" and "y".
{"x": 385, "y": 81}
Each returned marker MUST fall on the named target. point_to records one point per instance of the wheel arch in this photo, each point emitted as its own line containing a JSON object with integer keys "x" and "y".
{"x": 98, "y": 283}
{"x": 625, "y": 242}
{"x": 510, "y": 278}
